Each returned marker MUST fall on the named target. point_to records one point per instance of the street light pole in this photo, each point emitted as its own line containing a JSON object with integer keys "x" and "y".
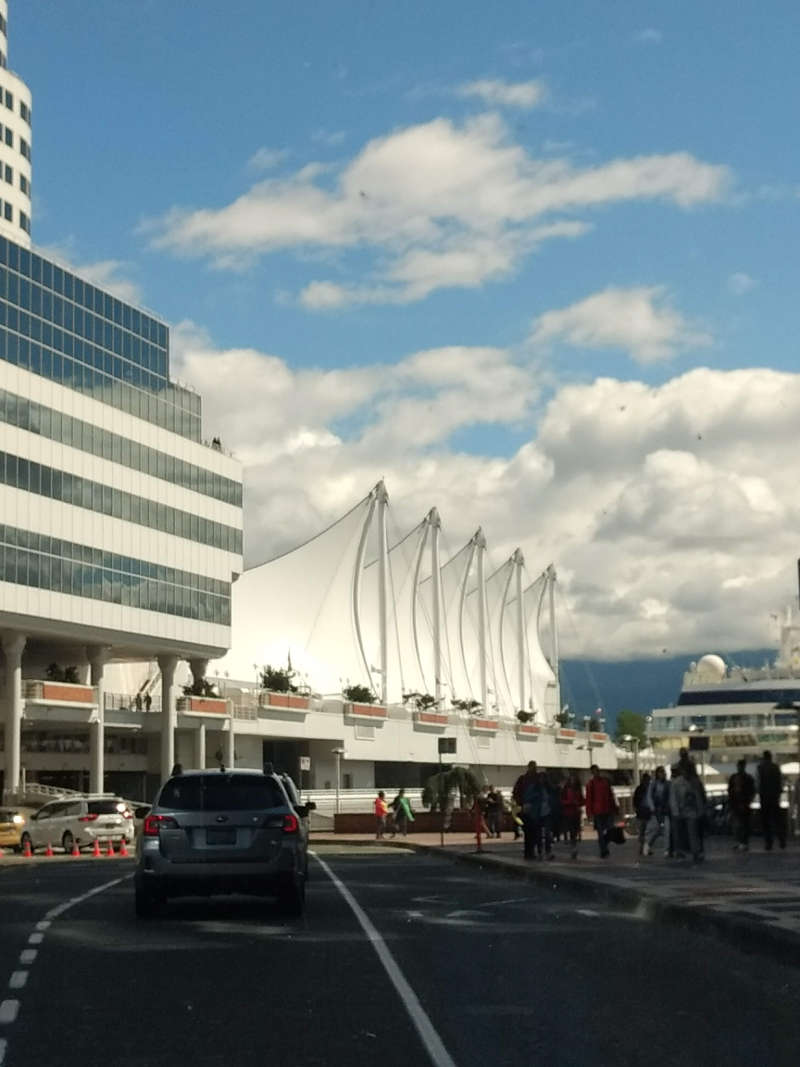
{"x": 338, "y": 753}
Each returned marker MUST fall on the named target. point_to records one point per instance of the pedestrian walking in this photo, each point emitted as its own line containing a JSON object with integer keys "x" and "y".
{"x": 148, "y": 702}
{"x": 687, "y": 808}
{"x": 770, "y": 786}
{"x": 495, "y": 809}
{"x": 642, "y": 809}
{"x": 601, "y": 807}
{"x": 381, "y": 814}
{"x": 540, "y": 808}
{"x": 480, "y": 808}
{"x": 572, "y": 800}
{"x": 524, "y": 781}
{"x": 403, "y": 814}
{"x": 658, "y": 803}
{"x": 741, "y": 793}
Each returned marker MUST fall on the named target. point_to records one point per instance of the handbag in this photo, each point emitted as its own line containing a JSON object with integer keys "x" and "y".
{"x": 616, "y": 835}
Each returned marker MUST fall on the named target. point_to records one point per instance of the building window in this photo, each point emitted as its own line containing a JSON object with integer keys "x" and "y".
{"x": 8, "y": 211}
{"x": 9, "y": 100}
{"x": 24, "y": 147}
{"x": 8, "y": 174}
{"x": 24, "y": 222}
{"x": 24, "y": 184}
{"x": 25, "y": 111}
{"x": 9, "y": 137}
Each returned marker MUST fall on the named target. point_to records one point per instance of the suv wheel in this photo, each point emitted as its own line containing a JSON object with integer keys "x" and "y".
{"x": 67, "y": 841}
{"x": 292, "y": 897}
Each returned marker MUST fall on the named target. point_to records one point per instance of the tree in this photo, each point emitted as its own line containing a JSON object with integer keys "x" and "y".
{"x": 563, "y": 718}
{"x": 470, "y": 706}
{"x": 631, "y": 722}
{"x": 441, "y": 787}
{"x": 358, "y": 694}
{"x": 277, "y": 679}
{"x": 201, "y": 688}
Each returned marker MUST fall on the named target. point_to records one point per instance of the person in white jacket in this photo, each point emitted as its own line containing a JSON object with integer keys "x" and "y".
{"x": 687, "y": 807}
{"x": 657, "y": 801}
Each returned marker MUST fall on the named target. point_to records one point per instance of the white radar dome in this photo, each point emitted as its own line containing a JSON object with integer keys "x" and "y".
{"x": 711, "y": 668}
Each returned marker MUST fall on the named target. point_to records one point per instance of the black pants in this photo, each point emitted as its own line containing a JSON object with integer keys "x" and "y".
{"x": 741, "y": 825}
{"x": 772, "y": 823}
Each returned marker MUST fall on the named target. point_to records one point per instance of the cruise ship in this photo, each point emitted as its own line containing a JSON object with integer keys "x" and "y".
{"x": 741, "y": 711}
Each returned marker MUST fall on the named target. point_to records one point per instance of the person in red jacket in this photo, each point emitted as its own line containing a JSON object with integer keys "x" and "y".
{"x": 571, "y": 803}
{"x": 601, "y": 807}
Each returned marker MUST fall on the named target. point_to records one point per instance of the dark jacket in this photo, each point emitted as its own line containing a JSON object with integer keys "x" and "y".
{"x": 658, "y": 797}
{"x": 640, "y": 800}
{"x": 741, "y": 790}
{"x": 534, "y": 798}
{"x": 769, "y": 782}
{"x": 521, "y": 784}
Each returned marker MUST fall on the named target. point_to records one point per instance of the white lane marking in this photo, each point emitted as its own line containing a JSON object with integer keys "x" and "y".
{"x": 17, "y": 979}
{"x": 61, "y": 908}
{"x": 36, "y": 939}
{"x": 434, "y": 1045}
{"x": 587, "y": 911}
{"x": 43, "y": 925}
{"x": 8, "y": 1010}
{"x": 3, "y": 1047}
{"x": 28, "y": 955}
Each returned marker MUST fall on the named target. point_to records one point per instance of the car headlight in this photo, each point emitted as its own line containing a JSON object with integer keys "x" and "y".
{"x": 18, "y": 820}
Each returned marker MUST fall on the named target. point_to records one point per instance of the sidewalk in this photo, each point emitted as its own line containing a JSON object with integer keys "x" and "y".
{"x": 751, "y": 898}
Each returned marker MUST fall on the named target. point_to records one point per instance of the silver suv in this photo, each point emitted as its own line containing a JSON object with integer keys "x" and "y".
{"x": 81, "y": 820}
{"x": 222, "y": 832}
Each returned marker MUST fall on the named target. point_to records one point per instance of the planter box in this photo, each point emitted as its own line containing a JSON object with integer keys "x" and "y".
{"x": 599, "y": 739}
{"x": 566, "y": 735}
{"x": 60, "y": 693}
{"x": 435, "y": 719}
{"x": 290, "y": 701}
{"x": 368, "y": 712}
{"x": 529, "y": 731}
{"x": 488, "y": 726}
{"x": 202, "y": 705}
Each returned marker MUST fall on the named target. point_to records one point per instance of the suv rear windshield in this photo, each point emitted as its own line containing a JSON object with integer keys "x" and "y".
{"x": 221, "y": 792}
{"x": 104, "y": 807}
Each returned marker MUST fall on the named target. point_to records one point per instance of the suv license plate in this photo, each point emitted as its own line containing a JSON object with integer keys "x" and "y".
{"x": 225, "y": 836}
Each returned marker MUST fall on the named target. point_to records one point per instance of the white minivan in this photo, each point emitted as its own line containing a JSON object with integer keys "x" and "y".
{"x": 80, "y": 820}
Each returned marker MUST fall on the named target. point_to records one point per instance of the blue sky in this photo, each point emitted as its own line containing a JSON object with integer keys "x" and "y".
{"x": 661, "y": 137}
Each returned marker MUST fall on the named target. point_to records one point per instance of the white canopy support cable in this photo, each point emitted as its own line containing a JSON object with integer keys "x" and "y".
{"x": 315, "y": 537}
{"x": 501, "y": 628}
{"x": 357, "y": 572}
{"x": 415, "y": 601}
{"x": 462, "y": 598}
{"x": 584, "y": 663}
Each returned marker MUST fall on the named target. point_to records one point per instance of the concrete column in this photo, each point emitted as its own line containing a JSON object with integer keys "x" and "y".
{"x": 230, "y": 739}
{"x": 198, "y": 667}
{"x": 200, "y": 747}
{"x": 98, "y": 657}
{"x": 13, "y": 646}
{"x": 167, "y": 665}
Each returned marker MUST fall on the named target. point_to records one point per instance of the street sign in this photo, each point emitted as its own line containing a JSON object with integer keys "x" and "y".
{"x": 447, "y": 745}
{"x": 305, "y": 763}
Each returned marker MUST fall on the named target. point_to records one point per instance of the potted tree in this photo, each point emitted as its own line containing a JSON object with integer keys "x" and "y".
{"x": 279, "y": 691}
{"x": 360, "y": 703}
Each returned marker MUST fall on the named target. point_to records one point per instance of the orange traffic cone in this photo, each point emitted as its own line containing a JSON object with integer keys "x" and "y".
{"x": 75, "y": 850}
{"x": 1, "y": 852}
{"x": 49, "y": 850}
{"x": 27, "y": 851}
{"x": 110, "y": 849}
{"x": 123, "y": 848}
{"x": 96, "y": 850}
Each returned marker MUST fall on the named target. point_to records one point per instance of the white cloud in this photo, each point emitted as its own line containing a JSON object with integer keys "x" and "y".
{"x": 637, "y": 320}
{"x": 669, "y": 511}
{"x": 741, "y": 283}
{"x": 498, "y": 93}
{"x": 430, "y": 206}
{"x": 267, "y": 158}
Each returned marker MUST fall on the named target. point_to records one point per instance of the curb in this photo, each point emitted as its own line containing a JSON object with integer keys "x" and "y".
{"x": 743, "y": 933}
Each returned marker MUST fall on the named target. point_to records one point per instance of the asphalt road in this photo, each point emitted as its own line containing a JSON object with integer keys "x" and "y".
{"x": 500, "y": 972}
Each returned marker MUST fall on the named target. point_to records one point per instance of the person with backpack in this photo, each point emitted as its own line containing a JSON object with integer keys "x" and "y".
{"x": 403, "y": 814}
{"x": 770, "y": 785}
{"x": 541, "y": 809}
{"x": 642, "y": 808}
{"x": 741, "y": 792}
{"x": 658, "y": 804}
{"x": 601, "y": 807}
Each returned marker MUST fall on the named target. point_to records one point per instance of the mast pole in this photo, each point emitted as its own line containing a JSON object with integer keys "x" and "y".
{"x": 436, "y": 527}
{"x": 551, "y": 578}
{"x": 480, "y": 543}
{"x": 383, "y": 617}
{"x": 519, "y": 563}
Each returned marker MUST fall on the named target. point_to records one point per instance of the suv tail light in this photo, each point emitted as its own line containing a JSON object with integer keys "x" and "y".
{"x": 288, "y": 824}
{"x": 88, "y": 818}
{"x": 154, "y": 824}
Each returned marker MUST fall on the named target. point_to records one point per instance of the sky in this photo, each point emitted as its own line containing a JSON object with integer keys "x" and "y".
{"x": 533, "y": 264}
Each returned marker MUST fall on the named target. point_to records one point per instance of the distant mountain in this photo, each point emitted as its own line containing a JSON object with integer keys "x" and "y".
{"x": 636, "y": 685}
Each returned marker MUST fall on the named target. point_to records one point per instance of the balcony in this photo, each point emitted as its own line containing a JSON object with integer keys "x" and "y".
{"x": 59, "y": 702}
{"x": 565, "y": 735}
{"x": 291, "y": 706}
{"x": 191, "y": 705}
{"x": 431, "y": 720}
{"x": 484, "y": 726}
{"x": 528, "y": 732}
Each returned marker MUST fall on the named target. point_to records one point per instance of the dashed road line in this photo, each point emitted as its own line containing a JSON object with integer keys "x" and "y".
{"x": 9, "y": 1009}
